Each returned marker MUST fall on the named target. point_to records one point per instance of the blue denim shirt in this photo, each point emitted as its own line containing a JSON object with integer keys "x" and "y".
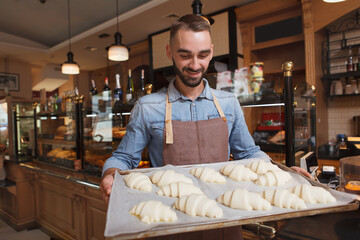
{"x": 147, "y": 119}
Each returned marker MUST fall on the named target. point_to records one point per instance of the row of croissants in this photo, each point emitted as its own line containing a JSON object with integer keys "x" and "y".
{"x": 192, "y": 201}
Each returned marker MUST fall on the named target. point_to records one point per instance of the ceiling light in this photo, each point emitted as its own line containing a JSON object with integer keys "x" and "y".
{"x": 70, "y": 66}
{"x": 333, "y": 1}
{"x": 117, "y": 51}
{"x": 196, "y": 6}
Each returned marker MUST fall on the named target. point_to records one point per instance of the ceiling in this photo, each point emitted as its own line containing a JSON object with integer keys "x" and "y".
{"x": 37, "y": 32}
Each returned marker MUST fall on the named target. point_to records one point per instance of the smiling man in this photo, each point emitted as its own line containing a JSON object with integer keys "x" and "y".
{"x": 187, "y": 122}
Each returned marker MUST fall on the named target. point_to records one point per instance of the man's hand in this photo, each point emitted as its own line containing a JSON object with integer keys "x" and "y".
{"x": 302, "y": 171}
{"x": 106, "y": 183}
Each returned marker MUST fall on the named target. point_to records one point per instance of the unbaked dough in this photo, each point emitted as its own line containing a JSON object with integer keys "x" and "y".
{"x": 198, "y": 205}
{"x": 165, "y": 177}
{"x": 138, "y": 181}
{"x": 208, "y": 175}
{"x": 261, "y": 167}
{"x": 273, "y": 178}
{"x": 238, "y": 172}
{"x": 312, "y": 194}
{"x": 178, "y": 189}
{"x": 243, "y": 199}
{"x": 283, "y": 198}
{"x": 153, "y": 211}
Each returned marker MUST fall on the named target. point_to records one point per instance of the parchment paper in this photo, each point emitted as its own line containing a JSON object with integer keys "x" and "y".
{"x": 123, "y": 198}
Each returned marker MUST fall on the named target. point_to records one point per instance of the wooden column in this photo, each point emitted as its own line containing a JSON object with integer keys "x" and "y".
{"x": 309, "y": 38}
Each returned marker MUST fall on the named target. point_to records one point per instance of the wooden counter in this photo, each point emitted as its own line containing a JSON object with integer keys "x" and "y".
{"x": 62, "y": 208}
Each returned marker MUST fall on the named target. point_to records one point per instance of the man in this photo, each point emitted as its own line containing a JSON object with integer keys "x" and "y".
{"x": 188, "y": 122}
{"x": 205, "y": 125}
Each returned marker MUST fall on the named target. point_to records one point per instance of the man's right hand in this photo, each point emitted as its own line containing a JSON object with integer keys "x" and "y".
{"x": 106, "y": 183}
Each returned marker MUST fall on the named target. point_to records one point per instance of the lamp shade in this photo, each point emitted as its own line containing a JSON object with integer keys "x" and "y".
{"x": 333, "y": 1}
{"x": 70, "y": 66}
{"x": 118, "y": 53}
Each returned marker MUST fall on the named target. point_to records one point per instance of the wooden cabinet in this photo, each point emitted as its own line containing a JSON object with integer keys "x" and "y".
{"x": 17, "y": 202}
{"x": 69, "y": 210}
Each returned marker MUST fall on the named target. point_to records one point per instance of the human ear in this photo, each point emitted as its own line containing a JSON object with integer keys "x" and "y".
{"x": 168, "y": 52}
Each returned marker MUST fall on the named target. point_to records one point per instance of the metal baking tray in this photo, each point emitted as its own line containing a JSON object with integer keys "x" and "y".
{"x": 116, "y": 230}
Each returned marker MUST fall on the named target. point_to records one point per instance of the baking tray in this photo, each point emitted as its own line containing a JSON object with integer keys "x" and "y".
{"x": 121, "y": 225}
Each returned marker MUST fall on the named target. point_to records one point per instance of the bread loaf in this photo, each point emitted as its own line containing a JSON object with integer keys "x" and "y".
{"x": 283, "y": 198}
{"x": 178, "y": 189}
{"x": 245, "y": 200}
{"x": 312, "y": 194}
{"x": 261, "y": 167}
{"x": 238, "y": 172}
{"x": 138, "y": 181}
{"x": 208, "y": 175}
{"x": 273, "y": 178}
{"x": 198, "y": 205}
{"x": 153, "y": 211}
{"x": 165, "y": 177}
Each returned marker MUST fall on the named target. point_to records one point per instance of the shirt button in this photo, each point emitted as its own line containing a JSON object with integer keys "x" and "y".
{"x": 193, "y": 104}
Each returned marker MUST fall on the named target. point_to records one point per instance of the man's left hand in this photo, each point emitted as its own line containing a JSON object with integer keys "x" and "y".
{"x": 302, "y": 171}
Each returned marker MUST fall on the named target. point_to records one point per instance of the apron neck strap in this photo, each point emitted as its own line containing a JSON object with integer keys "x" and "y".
{"x": 168, "y": 125}
{"x": 218, "y": 107}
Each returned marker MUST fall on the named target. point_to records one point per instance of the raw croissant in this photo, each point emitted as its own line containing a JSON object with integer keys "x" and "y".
{"x": 238, "y": 172}
{"x": 178, "y": 189}
{"x": 273, "y": 178}
{"x": 312, "y": 194}
{"x": 261, "y": 167}
{"x": 153, "y": 211}
{"x": 283, "y": 198}
{"x": 198, "y": 205}
{"x": 162, "y": 178}
{"x": 243, "y": 199}
{"x": 138, "y": 181}
{"x": 208, "y": 175}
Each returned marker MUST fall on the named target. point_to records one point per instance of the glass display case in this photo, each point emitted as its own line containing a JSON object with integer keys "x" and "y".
{"x": 104, "y": 125}
{"x": 17, "y": 127}
{"x": 264, "y": 112}
{"x": 103, "y": 128}
{"x": 57, "y": 135}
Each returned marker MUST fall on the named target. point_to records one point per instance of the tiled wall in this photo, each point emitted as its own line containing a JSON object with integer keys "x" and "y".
{"x": 341, "y": 111}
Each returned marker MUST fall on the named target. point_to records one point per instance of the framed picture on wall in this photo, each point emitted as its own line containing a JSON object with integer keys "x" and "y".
{"x": 9, "y": 81}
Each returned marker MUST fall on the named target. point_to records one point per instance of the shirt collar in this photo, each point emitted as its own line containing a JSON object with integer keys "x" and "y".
{"x": 174, "y": 94}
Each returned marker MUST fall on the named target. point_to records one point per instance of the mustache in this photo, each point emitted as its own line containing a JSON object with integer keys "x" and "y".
{"x": 188, "y": 69}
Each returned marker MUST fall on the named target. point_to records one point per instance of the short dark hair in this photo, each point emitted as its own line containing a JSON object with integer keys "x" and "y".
{"x": 191, "y": 22}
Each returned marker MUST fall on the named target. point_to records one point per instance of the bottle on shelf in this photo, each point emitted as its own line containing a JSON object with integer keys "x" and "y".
{"x": 358, "y": 61}
{"x": 106, "y": 94}
{"x": 350, "y": 61}
{"x": 68, "y": 101}
{"x": 141, "y": 92}
{"x": 130, "y": 89}
{"x": 118, "y": 94}
{"x": 93, "y": 90}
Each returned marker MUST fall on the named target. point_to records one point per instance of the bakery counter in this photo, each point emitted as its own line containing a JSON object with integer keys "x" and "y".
{"x": 65, "y": 203}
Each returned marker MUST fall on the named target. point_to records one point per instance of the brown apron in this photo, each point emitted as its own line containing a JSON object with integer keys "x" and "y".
{"x": 204, "y": 141}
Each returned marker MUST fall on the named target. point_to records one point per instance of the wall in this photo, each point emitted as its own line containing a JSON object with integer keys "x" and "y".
{"x": 25, "y": 76}
{"x": 341, "y": 111}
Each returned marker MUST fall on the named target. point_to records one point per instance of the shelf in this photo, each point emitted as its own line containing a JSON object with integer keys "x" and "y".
{"x": 55, "y": 141}
{"x": 344, "y": 95}
{"x": 340, "y": 75}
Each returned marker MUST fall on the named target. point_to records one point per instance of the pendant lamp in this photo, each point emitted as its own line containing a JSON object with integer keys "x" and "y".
{"x": 117, "y": 51}
{"x": 70, "y": 66}
{"x": 333, "y": 1}
{"x": 197, "y": 6}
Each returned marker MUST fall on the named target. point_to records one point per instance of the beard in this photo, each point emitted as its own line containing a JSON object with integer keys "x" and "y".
{"x": 186, "y": 80}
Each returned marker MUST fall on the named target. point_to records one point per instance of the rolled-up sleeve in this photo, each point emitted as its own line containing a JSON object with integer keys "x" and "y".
{"x": 242, "y": 144}
{"x": 128, "y": 153}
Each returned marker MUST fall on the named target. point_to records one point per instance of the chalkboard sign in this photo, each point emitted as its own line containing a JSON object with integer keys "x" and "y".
{"x": 281, "y": 29}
